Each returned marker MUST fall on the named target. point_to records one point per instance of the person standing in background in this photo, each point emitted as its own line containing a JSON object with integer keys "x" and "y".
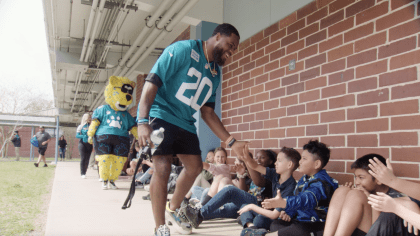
{"x": 16, "y": 142}
{"x": 85, "y": 148}
{"x": 43, "y": 139}
{"x": 63, "y": 144}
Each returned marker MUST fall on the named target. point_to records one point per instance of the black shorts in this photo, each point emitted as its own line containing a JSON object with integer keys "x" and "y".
{"x": 111, "y": 144}
{"x": 42, "y": 150}
{"x": 176, "y": 140}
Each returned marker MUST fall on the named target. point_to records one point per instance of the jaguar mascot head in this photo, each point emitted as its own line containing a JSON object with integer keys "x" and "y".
{"x": 119, "y": 93}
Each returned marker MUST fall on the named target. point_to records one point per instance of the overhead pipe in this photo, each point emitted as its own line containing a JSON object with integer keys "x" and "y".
{"x": 95, "y": 28}
{"x": 89, "y": 27}
{"x": 150, "y": 23}
{"x": 96, "y": 76}
{"x": 168, "y": 29}
{"x": 152, "y": 36}
{"x": 77, "y": 83}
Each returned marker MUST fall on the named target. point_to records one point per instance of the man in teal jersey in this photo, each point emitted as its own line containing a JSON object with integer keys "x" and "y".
{"x": 183, "y": 81}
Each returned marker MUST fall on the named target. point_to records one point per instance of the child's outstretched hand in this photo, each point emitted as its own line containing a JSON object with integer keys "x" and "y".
{"x": 284, "y": 216}
{"x": 246, "y": 208}
{"x": 278, "y": 201}
{"x": 382, "y": 202}
{"x": 246, "y": 155}
{"x": 381, "y": 172}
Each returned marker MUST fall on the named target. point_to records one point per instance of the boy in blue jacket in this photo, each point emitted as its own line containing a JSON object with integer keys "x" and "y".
{"x": 306, "y": 211}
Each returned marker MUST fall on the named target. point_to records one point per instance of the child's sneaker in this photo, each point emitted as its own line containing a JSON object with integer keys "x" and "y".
{"x": 45, "y": 165}
{"x": 112, "y": 185}
{"x": 147, "y": 188}
{"x": 105, "y": 185}
{"x": 83, "y": 176}
{"x": 192, "y": 214}
{"x": 179, "y": 223}
{"x": 36, "y": 164}
{"x": 163, "y": 230}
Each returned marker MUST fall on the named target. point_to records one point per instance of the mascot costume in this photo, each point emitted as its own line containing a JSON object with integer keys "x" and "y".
{"x": 109, "y": 129}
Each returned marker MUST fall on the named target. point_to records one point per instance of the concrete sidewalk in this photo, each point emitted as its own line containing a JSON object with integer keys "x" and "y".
{"x": 80, "y": 207}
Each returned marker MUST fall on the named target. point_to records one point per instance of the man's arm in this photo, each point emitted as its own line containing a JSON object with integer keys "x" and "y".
{"x": 147, "y": 97}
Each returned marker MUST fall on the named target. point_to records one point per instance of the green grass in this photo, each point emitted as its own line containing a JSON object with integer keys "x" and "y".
{"x": 21, "y": 189}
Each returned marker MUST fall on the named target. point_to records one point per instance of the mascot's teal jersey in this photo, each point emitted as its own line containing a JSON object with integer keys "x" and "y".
{"x": 185, "y": 84}
{"x": 113, "y": 122}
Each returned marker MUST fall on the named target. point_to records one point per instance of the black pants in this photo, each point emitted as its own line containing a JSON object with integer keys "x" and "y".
{"x": 388, "y": 224}
{"x": 85, "y": 149}
{"x": 296, "y": 228}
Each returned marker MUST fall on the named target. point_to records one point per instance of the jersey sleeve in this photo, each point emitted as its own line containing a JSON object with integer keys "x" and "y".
{"x": 172, "y": 58}
{"x": 97, "y": 114}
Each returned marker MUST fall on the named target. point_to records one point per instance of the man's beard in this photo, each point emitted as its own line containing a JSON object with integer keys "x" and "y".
{"x": 218, "y": 55}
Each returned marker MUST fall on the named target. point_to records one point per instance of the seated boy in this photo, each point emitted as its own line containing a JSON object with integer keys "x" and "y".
{"x": 254, "y": 219}
{"x": 389, "y": 223}
{"x": 309, "y": 205}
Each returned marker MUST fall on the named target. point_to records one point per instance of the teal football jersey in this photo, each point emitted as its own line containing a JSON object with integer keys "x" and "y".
{"x": 185, "y": 83}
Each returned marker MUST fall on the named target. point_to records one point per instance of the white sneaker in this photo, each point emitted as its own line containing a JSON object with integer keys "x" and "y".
{"x": 163, "y": 230}
{"x": 83, "y": 176}
{"x": 101, "y": 180}
{"x": 105, "y": 185}
{"x": 147, "y": 188}
{"x": 112, "y": 185}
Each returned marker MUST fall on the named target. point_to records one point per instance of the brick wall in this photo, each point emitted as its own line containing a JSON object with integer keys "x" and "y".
{"x": 355, "y": 86}
{"x": 185, "y": 35}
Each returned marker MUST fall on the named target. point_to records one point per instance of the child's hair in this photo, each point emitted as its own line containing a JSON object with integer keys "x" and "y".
{"x": 292, "y": 155}
{"x": 271, "y": 155}
{"x": 319, "y": 150}
{"x": 363, "y": 162}
{"x": 220, "y": 149}
{"x": 16, "y": 132}
{"x": 212, "y": 150}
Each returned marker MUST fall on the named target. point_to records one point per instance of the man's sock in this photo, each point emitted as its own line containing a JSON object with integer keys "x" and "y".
{"x": 206, "y": 200}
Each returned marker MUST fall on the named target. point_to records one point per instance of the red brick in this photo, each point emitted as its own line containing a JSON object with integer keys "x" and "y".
{"x": 271, "y": 124}
{"x": 308, "y": 51}
{"x": 285, "y": 61}
{"x": 331, "y": 116}
{"x": 362, "y": 85}
{"x": 226, "y": 106}
{"x": 315, "y": 38}
{"x": 277, "y": 73}
{"x": 244, "y": 44}
{"x": 405, "y": 123}
{"x": 263, "y": 134}
{"x": 287, "y": 20}
{"x": 270, "y": 143}
{"x": 272, "y": 47}
{"x": 299, "y": 67}
{"x": 364, "y": 151}
{"x": 308, "y": 30}
{"x": 334, "y": 141}
{"x": 233, "y": 96}
{"x": 332, "y": 19}
{"x": 395, "y": 18}
{"x": 340, "y": 4}
{"x": 341, "y": 77}
{"x": 262, "y": 116}
{"x": 316, "y": 60}
{"x": 226, "y": 121}
{"x": 271, "y": 29}
{"x": 295, "y": 132}
{"x": 243, "y": 127}
{"x": 271, "y": 66}
{"x": 257, "y": 54}
{"x": 344, "y": 101}
{"x": 296, "y": 88}
{"x": 295, "y": 46}
{"x": 276, "y": 113}
{"x": 256, "y": 125}
{"x": 406, "y": 170}
{"x": 271, "y": 104}
{"x": 372, "y": 69}
{"x": 397, "y": 47}
{"x": 309, "y": 74}
{"x": 256, "y": 107}
{"x": 227, "y": 91}
{"x": 277, "y": 133}
{"x": 341, "y": 27}
{"x": 277, "y": 54}
{"x": 244, "y": 93}
{"x": 289, "y": 142}
{"x": 245, "y": 60}
{"x": 249, "y": 118}
{"x": 238, "y": 56}
{"x": 316, "y": 83}
{"x": 316, "y": 106}
{"x": 361, "y": 58}
{"x": 225, "y": 69}
{"x": 263, "y": 43}
{"x": 296, "y": 110}
{"x": 288, "y": 121}
{"x": 306, "y": 10}
{"x": 362, "y": 112}
{"x": 332, "y": 91}
{"x": 248, "y": 84}
{"x": 405, "y": 154}
{"x": 317, "y": 15}
{"x": 262, "y": 61}
{"x": 289, "y": 80}
{"x": 262, "y": 97}
{"x": 404, "y": 60}
{"x": 359, "y": 32}
{"x": 398, "y": 3}
{"x": 359, "y": 6}
{"x": 399, "y": 139}
{"x": 333, "y": 66}
{"x": 342, "y": 128}
{"x": 257, "y": 37}
{"x": 257, "y": 89}
{"x": 396, "y": 77}
{"x": 342, "y": 178}
{"x": 332, "y": 43}
{"x": 243, "y": 110}
{"x": 367, "y": 140}
{"x": 244, "y": 77}
{"x": 374, "y": 125}
{"x": 409, "y": 90}
{"x": 290, "y": 100}
{"x": 233, "y": 66}
{"x": 308, "y": 119}
{"x": 236, "y": 88}
{"x": 322, "y": 3}
{"x": 316, "y": 130}
{"x": 342, "y": 153}
{"x": 249, "y": 50}
{"x": 340, "y": 52}
{"x": 278, "y": 35}
{"x": 261, "y": 79}
{"x": 296, "y": 26}
{"x": 232, "y": 128}
{"x": 289, "y": 39}
{"x": 258, "y": 71}
{"x": 372, "y": 13}
{"x": 373, "y": 97}
{"x": 249, "y": 100}
{"x": 400, "y": 108}
{"x": 280, "y": 92}
{"x": 370, "y": 42}
{"x": 404, "y": 30}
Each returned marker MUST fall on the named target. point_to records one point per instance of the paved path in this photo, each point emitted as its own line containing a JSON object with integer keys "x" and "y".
{"x": 80, "y": 207}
